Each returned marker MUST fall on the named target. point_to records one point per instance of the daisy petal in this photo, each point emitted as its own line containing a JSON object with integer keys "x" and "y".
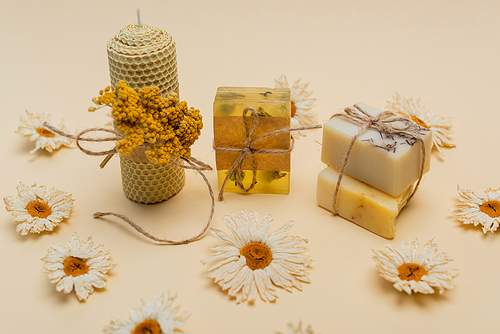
{"x": 257, "y": 261}
{"x": 420, "y": 271}
{"x": 78, "y": 267}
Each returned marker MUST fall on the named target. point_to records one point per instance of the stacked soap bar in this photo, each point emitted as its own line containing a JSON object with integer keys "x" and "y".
{"x": 379, "y": 176}
{"x": 273, "y": 108}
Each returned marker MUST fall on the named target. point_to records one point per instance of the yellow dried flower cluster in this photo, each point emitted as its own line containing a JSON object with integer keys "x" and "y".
{"x": 164, "y": 125}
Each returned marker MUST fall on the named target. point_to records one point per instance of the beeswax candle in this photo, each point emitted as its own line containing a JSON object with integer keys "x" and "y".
{"x": 143, "y": 56}
{"x": 389, "y": 163}
{"x": 360, "y": 203}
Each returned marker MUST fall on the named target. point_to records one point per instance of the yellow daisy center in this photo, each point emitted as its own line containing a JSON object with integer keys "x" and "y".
{"x": 411, "y": 272}
{"x": 418, "y": 121}
{"x": 293, "y": 109}
{"x": 149, "y": 326}
{"x": 74, "y": 266}
{"x": 491, "y": 208}
{"x": 38, "y": 209}
{"x": 45, "y": 133}
{"x": 258, "y": 255}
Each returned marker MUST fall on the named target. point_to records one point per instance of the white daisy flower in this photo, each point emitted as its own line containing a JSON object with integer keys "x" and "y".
{"x": 78, "y": 265}
{"x": 257, "y": 261}
{"x": 438, "y": 125}
{"x": 154, "y": 317}
{"x": 302, "y": 104}
{"x": 32, "y": 127}
{"x": 36, "y": 209}
{"x": 291, "y": 329}
{"x": 473, "y": 208}
{"x": 411, "y": 270}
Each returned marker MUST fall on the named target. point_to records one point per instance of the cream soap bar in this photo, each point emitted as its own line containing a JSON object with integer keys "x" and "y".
{"x": 360, "y": 203}
{"x": 389, "y": 163}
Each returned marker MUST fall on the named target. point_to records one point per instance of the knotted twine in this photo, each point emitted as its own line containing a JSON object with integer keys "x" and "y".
{"x": 247, "y": 152}
{"x": 193, "y": 163}
{"x": 384, "y": 123}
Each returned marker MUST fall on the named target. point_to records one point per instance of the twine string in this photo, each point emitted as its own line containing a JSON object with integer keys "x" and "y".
{"x": 386, "y": 122}
{"x": 248, "y": 151}
{"x": 192, "y": 163}
{"x": 78, "y": 138}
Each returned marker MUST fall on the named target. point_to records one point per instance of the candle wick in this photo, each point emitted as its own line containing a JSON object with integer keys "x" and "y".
{"x": 139, "y": 17}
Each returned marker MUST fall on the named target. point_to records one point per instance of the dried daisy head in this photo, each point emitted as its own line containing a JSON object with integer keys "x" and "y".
{"x": 32, "y": 126}
{"x": 438, "y": 125}
{"x": 255, "y": 260}
{"x": 154, "y": 317}
{"x": 36, "y": 209}
{"x": 78, "y": 265}
{"x": 302, "y": 103}
{"x": 473, "y": 208}
{"x": 412, "y": 270}
{"x": 291, "y": 329}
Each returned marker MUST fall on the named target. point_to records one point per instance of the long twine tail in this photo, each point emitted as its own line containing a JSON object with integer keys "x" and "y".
{"x": 195, "y": 164}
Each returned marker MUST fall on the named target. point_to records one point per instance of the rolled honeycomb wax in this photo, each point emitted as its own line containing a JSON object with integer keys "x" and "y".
{"x": 143, "y": 57}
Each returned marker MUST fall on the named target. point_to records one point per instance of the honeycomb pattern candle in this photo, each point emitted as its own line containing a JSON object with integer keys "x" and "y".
{"x": 145, "y": 56}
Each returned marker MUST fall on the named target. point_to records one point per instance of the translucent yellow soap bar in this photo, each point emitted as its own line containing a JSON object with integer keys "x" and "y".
{"x": 231, "y": 101}
{"x": 268, "y": 182}
{"x": 272, "y": 106}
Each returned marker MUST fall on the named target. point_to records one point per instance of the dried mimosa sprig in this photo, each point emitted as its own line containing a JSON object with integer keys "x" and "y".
{"x": 165, "y": 125}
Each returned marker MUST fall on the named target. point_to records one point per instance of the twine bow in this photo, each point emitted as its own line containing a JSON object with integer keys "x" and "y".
{"x": 386, "y": 122}
{"x": 248, "y": 151}
{"x": 192, "y": 163}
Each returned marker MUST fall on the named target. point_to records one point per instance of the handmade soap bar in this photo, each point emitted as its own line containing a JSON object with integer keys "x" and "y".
{"x": 273, "y": 109}
{"x": 389, "y": 163}
{"x": 360, "y": 203}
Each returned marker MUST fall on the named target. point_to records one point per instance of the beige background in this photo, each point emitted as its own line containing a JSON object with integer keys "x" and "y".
{"x": 446, "y": 52}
